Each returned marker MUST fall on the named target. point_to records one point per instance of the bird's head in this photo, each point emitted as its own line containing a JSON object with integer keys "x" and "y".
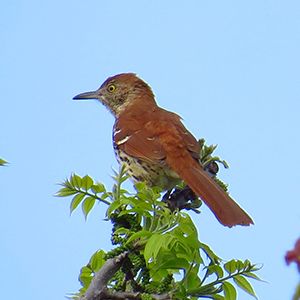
{"x": 119, "y": 91}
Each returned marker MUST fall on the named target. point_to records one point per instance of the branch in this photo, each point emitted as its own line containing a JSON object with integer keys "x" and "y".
{"x": 115, "y": 295}
{"x": 102, "y": 277}
{"x": 98, "y": 290}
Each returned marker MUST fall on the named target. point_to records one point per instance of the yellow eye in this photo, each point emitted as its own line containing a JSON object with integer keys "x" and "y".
{"x": 111, "y": 88}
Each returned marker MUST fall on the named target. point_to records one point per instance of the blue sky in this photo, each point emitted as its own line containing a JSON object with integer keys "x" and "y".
{"x": 231, "y": 69}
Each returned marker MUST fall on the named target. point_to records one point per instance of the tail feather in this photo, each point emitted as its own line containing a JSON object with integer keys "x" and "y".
{"x": 226, "y": 210}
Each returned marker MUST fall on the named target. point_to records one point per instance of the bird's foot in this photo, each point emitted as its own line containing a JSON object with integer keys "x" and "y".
{"x": 182, "y": 198}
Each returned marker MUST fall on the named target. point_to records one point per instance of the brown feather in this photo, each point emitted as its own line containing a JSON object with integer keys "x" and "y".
{"x": 226, "y": 210}
{"x": 162, "y": 138}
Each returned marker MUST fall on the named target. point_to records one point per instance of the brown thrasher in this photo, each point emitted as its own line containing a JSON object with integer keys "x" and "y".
{"x": 157, "y": 148}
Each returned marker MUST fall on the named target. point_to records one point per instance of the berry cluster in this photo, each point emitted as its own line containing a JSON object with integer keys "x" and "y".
{"x": 128, "y": 221}
{"x": 165, "y": 284}
{"x": 134, "y": 274}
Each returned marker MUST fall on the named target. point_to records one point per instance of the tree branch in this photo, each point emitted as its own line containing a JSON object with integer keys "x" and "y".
{"x": 102, "y": 277}
{"x": 98, "y": 290}
{"x": 115, "y": 295}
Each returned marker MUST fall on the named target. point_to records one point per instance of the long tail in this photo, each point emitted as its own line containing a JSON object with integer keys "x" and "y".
{"x": 226, "y": 210}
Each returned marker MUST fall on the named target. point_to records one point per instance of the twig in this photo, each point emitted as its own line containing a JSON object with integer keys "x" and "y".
{"x": 102, "y": 277}
{"x": 98, "y": 290}
{"x": 115, "y": 295}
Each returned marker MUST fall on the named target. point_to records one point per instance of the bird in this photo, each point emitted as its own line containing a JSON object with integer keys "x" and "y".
{"x": 156, "y": 148}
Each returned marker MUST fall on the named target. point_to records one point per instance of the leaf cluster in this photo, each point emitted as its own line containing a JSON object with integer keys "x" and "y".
{"x": 206, "y": 158}
{"x": 85, "y": 191}
{"x": 165, "y": 255}
{"x": 206, "y": 154}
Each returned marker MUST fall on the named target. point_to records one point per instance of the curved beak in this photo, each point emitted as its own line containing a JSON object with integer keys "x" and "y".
{"x": 88, "y": 95}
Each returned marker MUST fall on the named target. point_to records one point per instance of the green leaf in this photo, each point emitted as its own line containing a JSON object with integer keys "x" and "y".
{"x": 252, "y": 275}
{"x": 216, "y": 259}
{"x": 230, "y": 266}
{"x": 154, "y": 244}
{"x": 3, "y": 162}
{"x": 218, "y": 297}
{"x": 85, "y": 276}
{"x": 229, "y": 291}
{"x": 217, "y": 270}
{"x": 205, "y": 290}
{"x": 181, "y": 292}
{"x": 98, "y": 188}
{"x": 239, "y": 265}
{"x": 144, "y": 205}
{"x": 87, "y": 182}
{"x": 175, "y": 263}
{"x": 247, "y": 264}
{"x": 253, "y": 268}
{"x": 115, "y": 205}
{"x": 97, "y": 261}
{"x": 152, "y": 247}
{"x": 187, "y": 225}
{"x": 130, "y": 201}
{"x": 87, "y": 205}
{"x": 75, "y": 201}
{"x": 64, "y": 192}
{"x": 193, "y": 241}
{"x": 122, "y": 230}
{"x": 135, "y": 210}
{"x": 75, "y": 181}
{"x": 140, "y": 186}
{"x": 192, "y": 280}
{"x": 139, "y": 234}
{"x": 244, "y": 284}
